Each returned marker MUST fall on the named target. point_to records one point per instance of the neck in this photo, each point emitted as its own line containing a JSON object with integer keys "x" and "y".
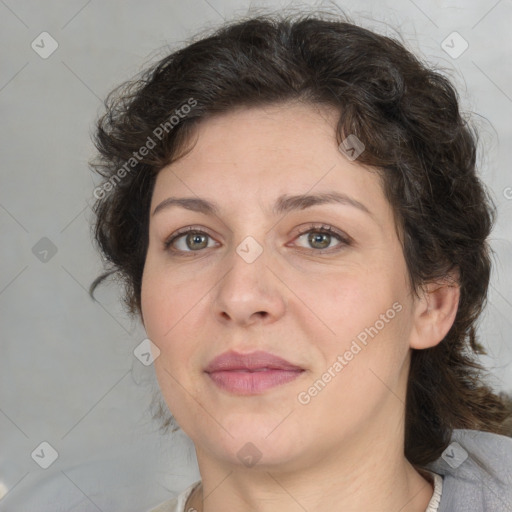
{"x": 361, "y": 475}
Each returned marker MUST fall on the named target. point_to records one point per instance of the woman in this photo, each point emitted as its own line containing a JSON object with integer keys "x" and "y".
{"x": 293, "y": 206}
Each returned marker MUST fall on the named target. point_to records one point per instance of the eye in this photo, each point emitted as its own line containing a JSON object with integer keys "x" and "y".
{"x": 321, "y": 238}
{"x": 189, "y": 240}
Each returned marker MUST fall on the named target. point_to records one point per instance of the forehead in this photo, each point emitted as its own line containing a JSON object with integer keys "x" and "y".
{"x": 268, "y": 132}
{"x": 265, "y": 152}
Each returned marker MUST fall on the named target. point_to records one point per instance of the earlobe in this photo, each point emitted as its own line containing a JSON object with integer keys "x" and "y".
{"x": 435, "y": 312}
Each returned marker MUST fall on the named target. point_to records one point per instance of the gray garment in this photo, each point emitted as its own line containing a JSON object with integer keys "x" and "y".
{"x": 466, "y": 486}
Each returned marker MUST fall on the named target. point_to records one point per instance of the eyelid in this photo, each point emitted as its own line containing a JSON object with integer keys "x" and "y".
{"x": 324, "y": 228}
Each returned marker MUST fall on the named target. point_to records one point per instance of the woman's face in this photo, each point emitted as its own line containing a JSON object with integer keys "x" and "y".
{"x": 260, "y": 274}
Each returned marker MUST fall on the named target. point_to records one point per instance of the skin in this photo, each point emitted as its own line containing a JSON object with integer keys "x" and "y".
{"x": 345, "y": 447}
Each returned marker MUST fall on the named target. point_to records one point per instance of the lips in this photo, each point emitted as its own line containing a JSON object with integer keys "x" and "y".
{"x": 232, "y": 361}
{"x": 250, "y": 374}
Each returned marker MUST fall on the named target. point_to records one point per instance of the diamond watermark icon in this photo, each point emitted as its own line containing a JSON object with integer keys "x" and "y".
{"x": 249, "y": 455}
{"x": 249, "y": 249}
{"x": 45, "y": 455}
{"x": 454, "y": 455}
{"x": 454, "y": 45}
{"x": 44, "y": 250}
{"x": 44, "y": 45}
{"x": 146, "y": 352}
{"x": 351, "y": 147}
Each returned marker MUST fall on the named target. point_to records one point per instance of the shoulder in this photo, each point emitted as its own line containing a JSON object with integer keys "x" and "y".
{"x": 176, "y": 504}
{"x": 477, "y": 472}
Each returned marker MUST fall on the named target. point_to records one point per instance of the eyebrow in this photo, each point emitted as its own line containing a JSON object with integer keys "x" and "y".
{"x": 284, "y": 204}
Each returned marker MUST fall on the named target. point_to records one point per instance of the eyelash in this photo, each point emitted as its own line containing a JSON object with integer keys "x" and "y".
{"x": 344, "y": 239}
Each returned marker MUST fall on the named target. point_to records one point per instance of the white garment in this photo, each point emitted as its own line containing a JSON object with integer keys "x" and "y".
{"x": 433, "y": 504}
{"x": 177, "y": 504}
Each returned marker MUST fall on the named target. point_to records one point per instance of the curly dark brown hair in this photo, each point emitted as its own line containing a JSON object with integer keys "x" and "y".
{"x": 406, "y": 113}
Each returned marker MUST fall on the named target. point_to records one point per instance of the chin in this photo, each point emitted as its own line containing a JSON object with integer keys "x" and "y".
{"x": 255, "y": 443}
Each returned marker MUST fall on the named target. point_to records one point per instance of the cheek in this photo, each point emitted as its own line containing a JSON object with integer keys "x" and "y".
{"x": 366, "y": 319}
{"x": 167, "y": 300}
{"x": 167, "y": 308}
{"x": 345, "y": 302}
{"x": 175, "y": 308}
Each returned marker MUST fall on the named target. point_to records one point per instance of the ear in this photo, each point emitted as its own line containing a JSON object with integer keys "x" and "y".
{"x": 435, "y": 312}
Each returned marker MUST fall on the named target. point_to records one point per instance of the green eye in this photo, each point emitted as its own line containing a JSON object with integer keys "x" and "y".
{"x": 317, "y": 239}
{"x": 189, "y": 241}
{"x": 321, "y": 238}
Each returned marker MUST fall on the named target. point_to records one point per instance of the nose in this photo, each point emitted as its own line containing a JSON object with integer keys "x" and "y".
{"x": 249, "y": 293}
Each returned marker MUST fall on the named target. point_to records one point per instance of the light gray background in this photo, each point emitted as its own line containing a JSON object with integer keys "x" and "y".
{"x": 68, "y": 375}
